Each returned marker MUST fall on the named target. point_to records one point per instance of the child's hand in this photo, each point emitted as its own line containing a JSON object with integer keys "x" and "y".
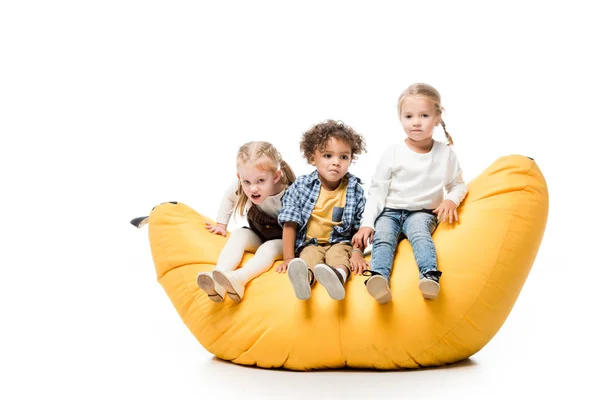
{"x": 218, "y": 229}
{"x": 358, "y": 263}
{"x": 363, "y": 237}
{"x": 447, "y": 208}
{"x": 281, "y": 268}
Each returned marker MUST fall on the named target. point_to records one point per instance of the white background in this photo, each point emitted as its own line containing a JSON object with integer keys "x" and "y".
{"x": 108, "y": 108}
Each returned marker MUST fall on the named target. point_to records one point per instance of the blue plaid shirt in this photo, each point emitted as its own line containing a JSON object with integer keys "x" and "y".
{"x": 300, "y": 198}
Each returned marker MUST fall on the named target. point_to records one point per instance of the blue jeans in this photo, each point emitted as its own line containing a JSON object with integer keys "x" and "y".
{"x": 394, "y": 225}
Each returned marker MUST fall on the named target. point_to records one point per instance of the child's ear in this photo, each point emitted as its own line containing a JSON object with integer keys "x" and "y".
{"x": 277, "y": 176}
{"x": 238, "y": 176}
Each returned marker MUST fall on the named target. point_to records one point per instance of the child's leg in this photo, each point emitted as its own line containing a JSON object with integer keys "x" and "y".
{"x": 333, "y": 274}
{"x": 230, "y": 257}
{"x": 385, "y": 242}
{"x": 418, "y": 227}
{"x": 301, "y": 270}
{"x": 241, "y": 240}
{"x": 338, "y": 257}
{"x": 313, "y": 255}
{"x": 265, "y": 255}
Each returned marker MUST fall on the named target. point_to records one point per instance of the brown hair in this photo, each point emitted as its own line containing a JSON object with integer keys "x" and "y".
{"x": 265, "y": 157}
{"x": 432, "y": 95}
{"x": 316, "y": 138}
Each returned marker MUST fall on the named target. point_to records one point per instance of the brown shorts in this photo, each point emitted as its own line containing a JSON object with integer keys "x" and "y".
{"x": 334, "y": 255}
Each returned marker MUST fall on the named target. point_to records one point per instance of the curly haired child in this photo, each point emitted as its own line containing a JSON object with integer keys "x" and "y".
{"x": 321, "y": 211}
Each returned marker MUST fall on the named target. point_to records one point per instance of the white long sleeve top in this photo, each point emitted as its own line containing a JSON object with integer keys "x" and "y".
{"x": 412, "y": 181}
{"x": 270, "y": 206}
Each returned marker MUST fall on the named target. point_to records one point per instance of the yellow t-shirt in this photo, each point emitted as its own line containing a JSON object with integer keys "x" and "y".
{"x": 327, "y": 213}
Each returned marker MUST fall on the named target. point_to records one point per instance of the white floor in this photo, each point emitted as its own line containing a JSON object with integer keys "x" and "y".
{"x": 108, "y": 109}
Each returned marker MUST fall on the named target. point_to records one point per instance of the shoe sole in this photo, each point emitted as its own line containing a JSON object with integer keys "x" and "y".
{"x": 328, "y": 278}
{"x": 378, "y": 288}
{"x": 430, "y": 289}
{"x": 298, "y": 275}
{"x": 223, "y": 281}
{"x": 207, "y": 284}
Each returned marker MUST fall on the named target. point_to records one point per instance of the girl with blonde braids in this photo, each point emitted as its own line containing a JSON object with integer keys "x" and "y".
{"x": 417, "y": 183}
{"x": 263, "y": 177}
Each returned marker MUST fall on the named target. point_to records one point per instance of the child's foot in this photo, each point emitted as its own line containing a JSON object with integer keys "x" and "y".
{"x": 298, "y": 274}
{"x": 332, "y": 279}
{"x": 429, "y": 284}
{"x": 378, "y": 287}
{"x": 235, "y": 290}
{"x": 214, "y": 291}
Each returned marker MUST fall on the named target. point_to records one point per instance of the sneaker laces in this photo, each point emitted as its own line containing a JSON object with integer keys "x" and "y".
{"x": 370, "y": 274}
{"x": 433, "y": 275}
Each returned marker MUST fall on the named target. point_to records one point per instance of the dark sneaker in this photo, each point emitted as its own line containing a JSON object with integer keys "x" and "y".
{"x": 429, "y": 285}
{"x": 298, "y": 274}
{"x": 332, "y": 280}
{"x": 378, "y": 287}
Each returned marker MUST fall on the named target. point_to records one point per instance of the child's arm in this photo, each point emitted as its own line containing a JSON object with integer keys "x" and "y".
{"x": 456, "y": 190}
{"x": 378, "y": 191}
{"x": 217, "y": 229}
{"x": 225, "y": 210}
{"x": 363, "y": 235}
{"x": 289, "y": 244}
{"x": 289, "y": 217}
{"x": 357, "y": 261}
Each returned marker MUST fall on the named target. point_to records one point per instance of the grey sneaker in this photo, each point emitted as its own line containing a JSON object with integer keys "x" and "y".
{"x": 298, "y": 275}
{"x": 332, "y": 280}
{"x": 429, "y": 285}
{"x": 378, "y": 287}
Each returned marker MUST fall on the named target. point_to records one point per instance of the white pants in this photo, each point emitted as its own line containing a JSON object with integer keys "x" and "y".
{"x": 245, "y": 240}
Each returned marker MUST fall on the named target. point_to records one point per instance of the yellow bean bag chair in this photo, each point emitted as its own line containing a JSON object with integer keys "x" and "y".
{"x": 485, "y": 260}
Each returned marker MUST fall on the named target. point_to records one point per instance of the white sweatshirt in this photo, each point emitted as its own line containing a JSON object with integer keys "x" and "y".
{"x": 411, "y": 181}
{"x": 270, "y": 206}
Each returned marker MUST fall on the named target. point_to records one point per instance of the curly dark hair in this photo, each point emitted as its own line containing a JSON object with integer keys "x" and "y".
{"x": 316, "y": 138}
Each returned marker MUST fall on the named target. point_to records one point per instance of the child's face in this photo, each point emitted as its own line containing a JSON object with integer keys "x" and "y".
{"x": 333, "y": 162}
{"x": 258, "y": 184}
{"x": 419, "y": 118}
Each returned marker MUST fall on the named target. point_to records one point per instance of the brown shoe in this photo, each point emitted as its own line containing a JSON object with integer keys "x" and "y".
{"x": 332, "y": 280}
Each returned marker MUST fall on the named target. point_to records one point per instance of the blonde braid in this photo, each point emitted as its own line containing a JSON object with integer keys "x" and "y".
{"x": 448, "y": 137}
